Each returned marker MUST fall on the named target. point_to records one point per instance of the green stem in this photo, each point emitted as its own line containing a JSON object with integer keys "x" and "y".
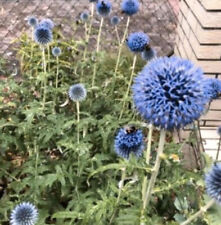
{"x": 129, "y": 85}
{"x": 97, "y": 50}
{"x": 36, "y": 168}
{"x": 45, "y": 76}
{"x": 123, "y": 176}
{"x": 155, "y": 169}
{"x": 119, "y": 53}
{"x": 78, "y": 121}
{"x": 199, "y": 213}
{"x": 218, "y": 150}
{"x": 117, "y": 34}
{"x": 57, "y": 73}
{"x": 48, "y": 47}
{"x": 144, "y": 185}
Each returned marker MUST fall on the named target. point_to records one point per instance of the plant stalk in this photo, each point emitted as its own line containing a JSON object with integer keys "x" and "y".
{"x": 129, "y": 85}
{"x": 218, "y": 150}
{"x": 119, "y": 53}
{"x": 155, "y": 169}
{"x": 78, "y": 121}
{"x": 97, "y": 50}
{"x": 199, "y": 213}
{"x": 123, "y": 176}
{"x": 45, "y": 76}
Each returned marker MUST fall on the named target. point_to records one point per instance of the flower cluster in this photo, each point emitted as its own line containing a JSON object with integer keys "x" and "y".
{"x": 56, "y": 51}
{"x": 137, "y": 41}
{"x": 77, "y": 92}
{"x": 84, "y": 16}
{"x": 130, "y": 7}
{"x": 32, "y": 21}
{"x": 213, "y": 182}
{"x": 129, "y": 140}
{"x": 212, "y": 88}
{"x": 48, "y": 23}
{"x": 24, "y": 214}
{"x": 168, "y": 92}
{"x": 115, "y": 20}
{"x": 103, "y": 7}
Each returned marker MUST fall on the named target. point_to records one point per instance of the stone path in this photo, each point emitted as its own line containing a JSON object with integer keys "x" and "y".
{"x": 156, "y": 17}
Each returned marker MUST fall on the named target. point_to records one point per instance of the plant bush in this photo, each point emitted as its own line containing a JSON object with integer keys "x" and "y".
{"x": 75, "y": 181}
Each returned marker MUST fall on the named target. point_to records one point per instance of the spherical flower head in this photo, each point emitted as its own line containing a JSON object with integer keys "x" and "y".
{"x": 130, "y": 7}
{"x": 32, "y": 21}
{"x": 42, "y": 35}
{"x": 212, "y": 88}
{"x": 84, "y": 16}
{"x": 24, "y": 214}
{"x": 148, "y": 54}
{"x": 48, "y": 23}
{"x": 219, "y": 130}
{"x": 103, "y": 7}
{"x": 137, "y": 41}
{"x": 168, "y": 92}
{"x": 129, "y": 140}
{"x": 115, "y": 20}
{"x": 213, "y": 182}
{"x": 56, "y": 51}
{"x": 77, "y": 92}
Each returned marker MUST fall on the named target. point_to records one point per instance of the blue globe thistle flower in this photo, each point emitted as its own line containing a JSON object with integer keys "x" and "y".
{"x": 77, "y": 92}
{"x": 213, "y": 182}
{"x": 168, "y": 92}
{"x": 32, "y": 21}
{"x": 212, "y": 88}
{"x": 148, "y": 54}
{"x": 137, "y": 41}
{"x": 219, "y": 131}
{"x": 43, "y": 35}
{"x": 130, "y": 7}
{"x": 129, "y": 140}
{"x": 48, "y": 23}
{"x": 115, "y": 20}
{"x": 56, "y": 51}
{"x": 24, "y": 214}
{"x": 84, "y": 16}
{"x": 103, "y": 7}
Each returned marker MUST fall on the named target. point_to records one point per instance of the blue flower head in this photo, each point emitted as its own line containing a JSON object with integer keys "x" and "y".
{"x": 213, "y": 182}
{"x": 48, "y": 23}
{"x": 212, "y": 88}
{"x": 137, "y": 41}
{"x": 168, "y": 92}
{"x": 56, "y": 51}
{"x": 84, "y": 16}
{"x": 129, "y": 140}
{"x": 43, "y": 35}
{"x": 219, "y": 130}
{"x": 32, "y": 21}
{"x": 24, "y": 214}
{"x": 77, "y": 92}
{"x": 115, "y": 20}
{"x": 148, "y": 54}
{"x": 130, "y": 7}
{"x": 103, "y": 7}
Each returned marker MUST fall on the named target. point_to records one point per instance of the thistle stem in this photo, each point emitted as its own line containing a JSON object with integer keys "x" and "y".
{"x": 57, "y": 73}
{"x": 48, "y": 47}
{"x": 144, "y": 185}
{"x": 155, "y": 169}
{"x": 199, "y": 213}
{"x": 117, "y": 34}
{"x": 218, "y": 150}
{"x": 121, "y": 185}
{"x": 78, "y": 121}
{"x": 129, "y": 85}
{"x": 97, "y": 50}
{"x": 119, "y": 53}
{"x": 91, "y": 22}
{"x": 45, "y": 76}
